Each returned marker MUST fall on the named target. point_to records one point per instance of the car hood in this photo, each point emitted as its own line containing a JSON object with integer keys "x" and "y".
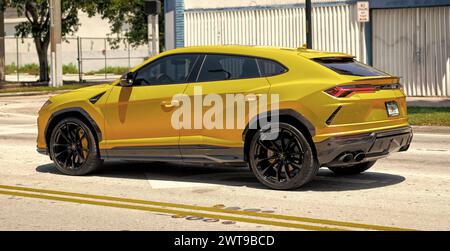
{"x": 81, "y": 94}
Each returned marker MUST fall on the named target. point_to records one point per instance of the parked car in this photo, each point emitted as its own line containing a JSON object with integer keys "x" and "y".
{"x": 333, "y": 112}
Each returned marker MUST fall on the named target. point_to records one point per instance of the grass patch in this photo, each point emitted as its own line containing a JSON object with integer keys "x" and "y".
{"x": 33, "y": 69}
{"x": 70, "y": 69}
{"x": 429, "y": 116}
{"x": 42, "y": 88}
{"x": 10, "y": 69}
{"x": 116, "y": 70}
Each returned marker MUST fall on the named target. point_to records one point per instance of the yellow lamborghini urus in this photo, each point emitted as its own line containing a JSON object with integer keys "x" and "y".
{"x": 300, "y": 110}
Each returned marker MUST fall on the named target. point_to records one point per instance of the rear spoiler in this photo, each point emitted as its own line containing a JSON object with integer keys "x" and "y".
{"x": 378, "y": 80}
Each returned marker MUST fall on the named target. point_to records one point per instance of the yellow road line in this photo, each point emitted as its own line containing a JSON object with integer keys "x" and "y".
{"x": 171, "y": 211}
{"x": 211, "y": 209}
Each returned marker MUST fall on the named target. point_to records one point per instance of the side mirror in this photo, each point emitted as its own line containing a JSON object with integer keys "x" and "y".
{"x": 127, "y": 80}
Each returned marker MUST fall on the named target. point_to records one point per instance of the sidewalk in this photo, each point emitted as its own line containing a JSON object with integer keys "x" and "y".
{"x": 27, "y": 94}
{"x": 24, "y": 77}
{"x": 431, "y": 129}
{"x": 428, "y": 102}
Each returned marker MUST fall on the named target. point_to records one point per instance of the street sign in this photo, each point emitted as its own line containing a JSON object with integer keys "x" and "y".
{"x": 363, "y": 11}
{"x": 152, "y": 7}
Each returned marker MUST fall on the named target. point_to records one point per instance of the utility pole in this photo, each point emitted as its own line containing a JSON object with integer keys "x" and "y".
{"x": 56, "y": 47}
{"x": 2, "y": 46}
{"x": 153, "y": 8}
{"x": 308, "y": 11}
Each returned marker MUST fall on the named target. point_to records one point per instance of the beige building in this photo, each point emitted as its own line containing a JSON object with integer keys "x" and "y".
{"x": 93, "y": 33}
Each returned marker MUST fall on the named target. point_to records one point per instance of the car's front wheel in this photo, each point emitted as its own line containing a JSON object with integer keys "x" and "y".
{"x": 286, "y": 163}
{"x": 352, "y": 170}
{"x": 73, "y": 148}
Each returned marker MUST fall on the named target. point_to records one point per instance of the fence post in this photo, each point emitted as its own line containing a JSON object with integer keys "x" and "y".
{"x": 106, "y": 62}
{"x": 129, "y": 56}
{"x": 17, "y": 58}
{"x": 2, "y": 47}
{"x": 80, "y": 68}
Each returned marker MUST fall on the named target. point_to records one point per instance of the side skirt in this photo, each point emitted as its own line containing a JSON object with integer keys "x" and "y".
{"x": 201, "y": 154}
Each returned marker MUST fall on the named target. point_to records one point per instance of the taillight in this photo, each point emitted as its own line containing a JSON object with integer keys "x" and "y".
{"x": 344, "y": 91}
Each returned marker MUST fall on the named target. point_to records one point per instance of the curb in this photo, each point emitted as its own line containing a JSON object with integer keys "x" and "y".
{"x": 428, "y": 102}
{"x": 431, "y": 129}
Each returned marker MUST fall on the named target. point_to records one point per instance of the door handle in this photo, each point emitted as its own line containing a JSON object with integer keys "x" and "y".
{"x": 171, "y": 104}
{"x": 252, "y": 98}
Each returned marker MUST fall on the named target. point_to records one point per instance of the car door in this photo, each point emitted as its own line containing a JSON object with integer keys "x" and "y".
{"x": 138, "y": 118}
{"x": 221, "y": 75}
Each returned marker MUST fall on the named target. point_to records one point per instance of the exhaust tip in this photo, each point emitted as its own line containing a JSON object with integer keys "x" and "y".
{"x": 346, "y": 157}
{"x": 360, "y": 157}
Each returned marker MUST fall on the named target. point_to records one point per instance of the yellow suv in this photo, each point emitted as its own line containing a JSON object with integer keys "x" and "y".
{"x": 331, "y": 111}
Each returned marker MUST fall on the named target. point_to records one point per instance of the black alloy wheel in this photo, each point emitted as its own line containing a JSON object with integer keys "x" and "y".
{"x": 285, "y": 163}
{"x": 73, "y": 148}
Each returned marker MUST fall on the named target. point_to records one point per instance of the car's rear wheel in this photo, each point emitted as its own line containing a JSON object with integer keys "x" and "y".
{"x": 73, "y": 148}
{"x": 286, "y": 163}
{"x": 352, "y": 170}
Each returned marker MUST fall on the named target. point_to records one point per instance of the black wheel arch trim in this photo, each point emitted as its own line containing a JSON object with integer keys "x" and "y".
{"x": 81, "y": 112}
{"x": 283, "y": 112}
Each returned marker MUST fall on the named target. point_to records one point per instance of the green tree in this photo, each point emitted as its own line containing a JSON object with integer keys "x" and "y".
{"x": 130, "y": 14}
{"x": 37, "y": 24}
{"x": 119, "y": 13}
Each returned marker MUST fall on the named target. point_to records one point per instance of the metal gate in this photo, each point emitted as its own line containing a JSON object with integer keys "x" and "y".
{"x": 335, "y": 27}
{"x": 414, "y": 44}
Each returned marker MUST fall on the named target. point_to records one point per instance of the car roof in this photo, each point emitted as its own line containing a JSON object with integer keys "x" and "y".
{"x": 260, "y": 51}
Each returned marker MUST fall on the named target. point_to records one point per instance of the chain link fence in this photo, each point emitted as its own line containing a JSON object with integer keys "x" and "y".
{"x": 85, "y": 59}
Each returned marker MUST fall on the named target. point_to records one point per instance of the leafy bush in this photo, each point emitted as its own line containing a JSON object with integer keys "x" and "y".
{"x": 116, "y": 70}
{"x": 70, "y": 69}
{"x": 32, "y": 69}
{"x": 10, "y": 69}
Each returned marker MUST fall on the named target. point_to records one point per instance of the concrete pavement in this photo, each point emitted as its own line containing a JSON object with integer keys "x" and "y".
{"x": 428, "y": 102}
{"x": 408, "y": 190}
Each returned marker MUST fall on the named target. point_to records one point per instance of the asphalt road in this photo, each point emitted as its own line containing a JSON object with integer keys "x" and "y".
{"x": 407, "y": 191}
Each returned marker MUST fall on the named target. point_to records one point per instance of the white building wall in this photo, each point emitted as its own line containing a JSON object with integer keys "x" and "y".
{"x": 414, "y": 44}
{"x": 274, "y": 23}
{"x": 220, "y": 4}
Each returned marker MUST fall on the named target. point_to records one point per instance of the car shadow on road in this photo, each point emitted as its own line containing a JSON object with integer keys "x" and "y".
{"x": 326, "y": 181}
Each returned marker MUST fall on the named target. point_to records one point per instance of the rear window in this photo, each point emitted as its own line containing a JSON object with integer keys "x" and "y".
{"x": 349, "y": 66}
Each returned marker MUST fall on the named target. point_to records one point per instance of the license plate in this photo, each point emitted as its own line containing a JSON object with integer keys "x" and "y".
{"x": 392, "y": 109}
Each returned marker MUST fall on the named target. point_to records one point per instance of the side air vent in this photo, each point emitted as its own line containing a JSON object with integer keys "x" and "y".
{"x": 331, "y": 118}
{"x": 95, "y": 99}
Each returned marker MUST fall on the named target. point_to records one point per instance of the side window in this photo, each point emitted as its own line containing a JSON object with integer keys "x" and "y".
{"x": 168, "y": 70}
{"x": 270, "y": 68}
{"x": 228, "y": 67}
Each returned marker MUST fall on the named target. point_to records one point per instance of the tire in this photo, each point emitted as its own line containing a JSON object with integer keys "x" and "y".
{"x": 286, "y": 163}
{"x": 73, "y": 148}
{"x": 352, "y": 170}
